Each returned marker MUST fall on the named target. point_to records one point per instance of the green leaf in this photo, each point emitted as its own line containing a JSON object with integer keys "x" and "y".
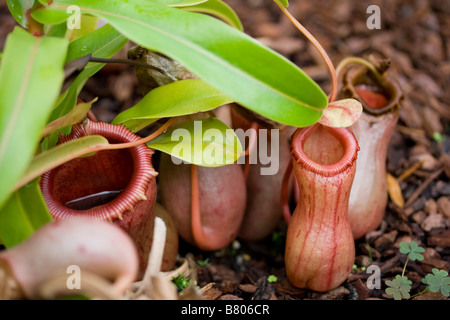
{"x": 60, "y": 154}
{"x": 18, "y": 9}
{"x": 174, "y": 99}
{"x": 31, "y": 74}
{"x": 88, "y": 24}
{"x": 102, "y": 43}
{"x": 231, "y": 61}
{"x": 220, "y": 10}
{"x": 75, "y": 116}
{"x": 24, "y": 212}
{"x": 399, "y": 287}
{"x": 283, "y": 2}
{"x": 181, "y": 282}
{"x": 413, "y": 250}
{"x": 179, "y": 3}
{"x": 438, "y": 282}
{"x": 208, "y": 142}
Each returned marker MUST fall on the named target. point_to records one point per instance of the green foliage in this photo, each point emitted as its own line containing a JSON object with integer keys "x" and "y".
{"x": 399, "y": 287}
{"x": 24, "y": 212}
{"x": 37, "y": 98}
{"x": 203, "y": 263}
{"x": 207, "y": 142}
{"x": 181, "y": 282}
{"x": 174, "y": 99}
{"x": 413, "y": 250}
{"x": 31, "y": 73}
{"x": 438, "y": 282}
{"x": 283, "y": 2}
{"x": 218, "y": 9}
{"x": 18, "y": 9}
{"x": 231, "y": 61}
{"x": 272, "y": 278}
{"x": 438, "y": 137}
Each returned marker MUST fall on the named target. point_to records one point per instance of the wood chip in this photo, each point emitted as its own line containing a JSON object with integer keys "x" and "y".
{"x": 230, "y": 297}
{"x": 247, "y": 287}
{"x": 422, "y": 187}
{"x": 386, "y": 240}
{"x": 394, "y": 190}
{"x": 443, "y": 205}
{"x": 212, "y": 294}
{"x": 434, "y": 221}
{"x": 442, "y": 239}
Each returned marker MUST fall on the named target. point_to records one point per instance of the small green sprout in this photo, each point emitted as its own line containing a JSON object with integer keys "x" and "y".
{"x": 203, "y": 263}
{"x": 437, "y": 136}
{"x": 181, "y": 282}
{"x": 272, "y": 278}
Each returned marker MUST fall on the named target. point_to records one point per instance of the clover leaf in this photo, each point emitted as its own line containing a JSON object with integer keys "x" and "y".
{"x": 413, "y": 250}
{"x": 438, "y": 282}
{"x": 399, "y": 287}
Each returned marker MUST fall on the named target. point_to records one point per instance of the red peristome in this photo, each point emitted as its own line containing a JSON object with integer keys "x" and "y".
{"x": 129, "y": 171}
{"x": 132, "y": 170}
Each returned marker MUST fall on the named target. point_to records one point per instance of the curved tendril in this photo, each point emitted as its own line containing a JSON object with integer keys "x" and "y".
{"x": 349, "y": 60}
{"x": 140, "y": 141}
{"x": 196, "y": 222}
{"x": 310, "y": 37}
{"x": 251, "y": 148}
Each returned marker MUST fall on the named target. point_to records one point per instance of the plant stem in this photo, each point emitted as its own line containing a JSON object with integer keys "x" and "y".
{"x": 419, "y": 293}
{"x": 404, "y": 267}
{"x": 251, "y": 146}
{"x": 132, "y": 63}
{"x": 140, "y": 141}
{"x": 349, "y": 60}
{"x": 326, "y": 58}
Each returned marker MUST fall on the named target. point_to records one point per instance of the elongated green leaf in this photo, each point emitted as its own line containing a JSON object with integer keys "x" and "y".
{"x": 220, "y": 10}
{"x": 60, "y": 154}
{"x": 179, "y": 3}
{"x": 208, "y": 142}
{"x": 31, "y": 74}
{"x": 102, "y": 43}
{"x": 19, "y": 8}
{"x": 174, "y": 99}
{"x": 24, "y": 212}
{"x": 250, "y": 73}
{"x": 75, "y": 116}
{"x": 88, "y": 24}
